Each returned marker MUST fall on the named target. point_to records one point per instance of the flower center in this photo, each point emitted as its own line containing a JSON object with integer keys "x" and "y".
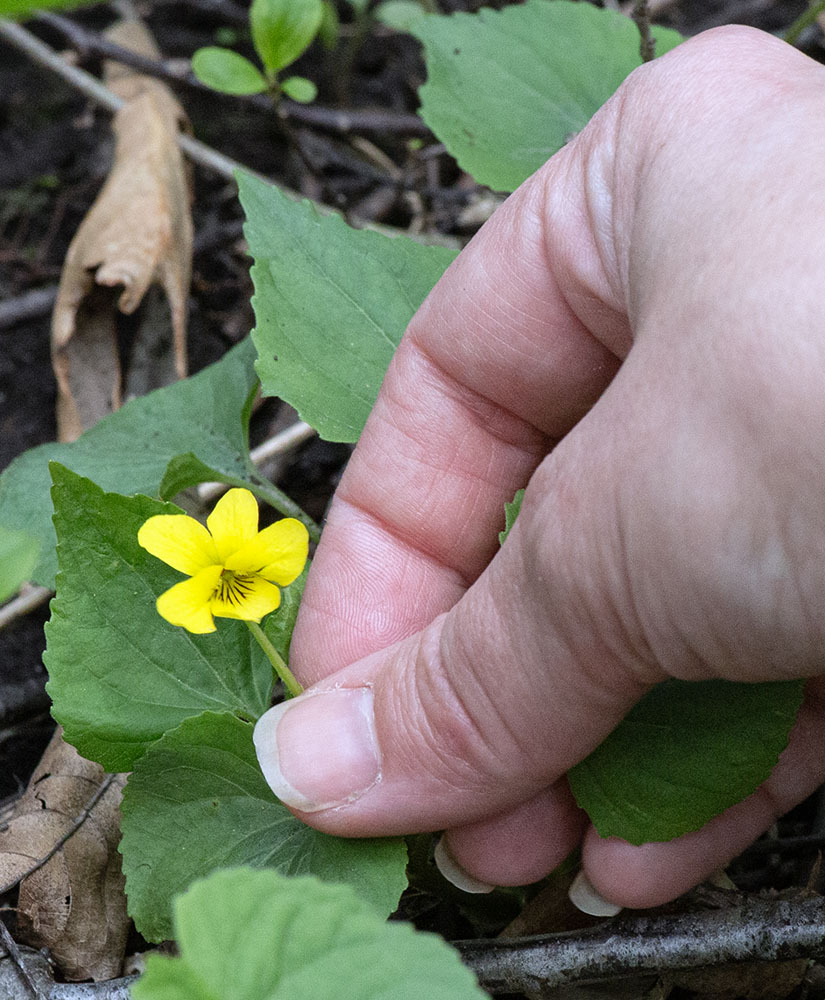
{"x": 234, "y": 588}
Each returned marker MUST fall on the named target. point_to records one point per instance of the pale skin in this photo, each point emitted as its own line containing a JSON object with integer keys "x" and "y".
{"x": 639, "y": 335}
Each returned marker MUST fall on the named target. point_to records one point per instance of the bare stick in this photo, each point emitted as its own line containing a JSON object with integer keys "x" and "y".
{"x": 87, "y": 43}
{"x": 14, "y": 954}
{"x": 37, "y": 967}
{"x": 33, "y": 304}
{"x": 197, "y": 151}
{"x": 647, "y": 43}
{"x": 27, "y": 600}
{"x": 87, "y": 810}
{"x": 279, "y": 444}
{"x": 757, "y": 930}
{"x": 26, "y": 42}
{"x": 284, "y": 441}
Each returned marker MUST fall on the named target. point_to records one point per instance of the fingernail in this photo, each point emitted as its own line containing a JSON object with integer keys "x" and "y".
{"x": 320, "y": 750}
{"x": 454, "y": 873}
{"x": 585, "y": 898}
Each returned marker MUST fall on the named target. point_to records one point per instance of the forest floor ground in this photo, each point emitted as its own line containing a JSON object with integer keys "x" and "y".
{"x": 55, "y": 151}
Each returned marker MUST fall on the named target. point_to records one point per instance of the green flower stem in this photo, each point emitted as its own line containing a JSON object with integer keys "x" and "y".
{"x": 277, "y": 661}
{"x": 281, "y": 502}
{"x": 803, "y": 21}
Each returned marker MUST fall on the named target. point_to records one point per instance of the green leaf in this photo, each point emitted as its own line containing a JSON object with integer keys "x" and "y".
{"x": 255, "y": 935}
{"x": 185, "y": 471}
{"x": 283, "y": 29}
{"x": 18, "y": 556}
{"x": 227, "y": 71}
{"x": 331, "y": 304}
{"x": 197, "y": 801}
{"x": 511, "y": 511}
{"x": 120, "y": 676}
{"x": 330, "y": 26}
{"x": 20, "y": 9}
{"x": 399, "y": 14}
{"x": 508, "y": 88}
{"x": 685, "y": 753}
{"x": 300, "y": 89}
{"x": 128, "y": 452}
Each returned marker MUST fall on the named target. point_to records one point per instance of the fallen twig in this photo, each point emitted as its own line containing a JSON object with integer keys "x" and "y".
{"x": 88, "y": 43}
{"x": 92, "y": 88}
{"x": 37, "y": 969}
{"x": 279, "y": 444}
{"x": 647, "y": 43}
{"x": 757, "y": 930}
{"x": 197, "y": 151}
{"x": 33, "y": 304}
{"x": 27, "y": 600}
{"x": 13, "y": 953}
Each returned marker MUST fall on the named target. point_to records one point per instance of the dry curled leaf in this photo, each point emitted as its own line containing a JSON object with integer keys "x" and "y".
{"x": 74, "y": 905}
{"x": 137, "y": 236}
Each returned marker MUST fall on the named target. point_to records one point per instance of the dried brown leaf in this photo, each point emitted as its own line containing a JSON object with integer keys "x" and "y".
{"x": 74, "y": 905}
{"x": 137, "y": 234}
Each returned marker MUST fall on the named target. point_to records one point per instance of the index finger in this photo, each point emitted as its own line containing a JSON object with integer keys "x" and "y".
{"x": 495, "y": 366}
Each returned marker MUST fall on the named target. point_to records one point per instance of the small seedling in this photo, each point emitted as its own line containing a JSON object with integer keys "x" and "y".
{"x": 282, "y": 30}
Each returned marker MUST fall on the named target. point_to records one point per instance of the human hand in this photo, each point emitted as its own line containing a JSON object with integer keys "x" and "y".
{"x": 639, "y": 332}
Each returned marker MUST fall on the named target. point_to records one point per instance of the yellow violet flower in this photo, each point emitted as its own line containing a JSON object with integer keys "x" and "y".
{"x": 233, "y": 568}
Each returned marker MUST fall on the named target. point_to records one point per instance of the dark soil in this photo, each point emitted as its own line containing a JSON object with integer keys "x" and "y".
{"x": 55, "y": 151}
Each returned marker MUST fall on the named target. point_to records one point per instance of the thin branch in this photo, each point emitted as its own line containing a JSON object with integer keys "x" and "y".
{"x": 647, "y": 43}
{"x": 110, "y": 989}
{"x": 282, "y": 442}
{"x": 88, "y": 43}
{"x": 37, "y": 967}
{"x": 39, "y": 52}
{"x": 14, "y": 954}
{"x": 279, "y": 444}
{"x": 757, "y": 930}
{"x": 197, "y": 151}
{"x": 27, "y": 600}
{"x": 87, "y": 810}
{"x": 34, "y": 304}
{"x": 335, "y": 120}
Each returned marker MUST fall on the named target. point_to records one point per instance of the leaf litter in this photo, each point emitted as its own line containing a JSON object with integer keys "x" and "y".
{"x": 136, "y": 238}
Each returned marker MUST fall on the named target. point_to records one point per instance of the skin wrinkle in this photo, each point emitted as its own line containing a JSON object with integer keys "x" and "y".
{"x": 582, "y": 304}
{"x": 551, "y": 386}
{"x": 471, "y": 410}
{"x": 486, "y": 412}
{"x": 413, "y": 544}
{"x": 449, "y": 729}
{"x": 465, "y": 669}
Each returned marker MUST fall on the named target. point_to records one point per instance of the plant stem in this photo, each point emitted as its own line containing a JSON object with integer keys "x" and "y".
{"x": 803, "y": 21}
{"x": 647, "y": 43}
{"x": 264, "y": 490}
{"x": 281, "y": 669}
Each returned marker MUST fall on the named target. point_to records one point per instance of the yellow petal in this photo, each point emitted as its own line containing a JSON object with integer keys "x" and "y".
{"x": 278, "y": 553}
{"x": 180, "y": 541}
{"x": 188, "y": 603}
{"x": 248, "y": 598}
{"x": 233, "y": 522}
